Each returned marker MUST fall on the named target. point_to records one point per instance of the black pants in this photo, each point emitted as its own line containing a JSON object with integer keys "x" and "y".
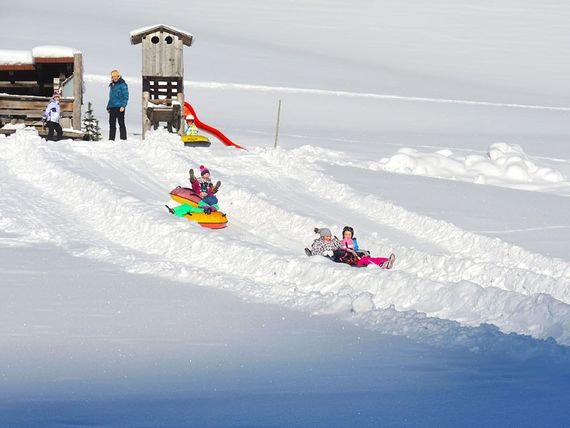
{"x": 115, "y": 114}
{"x": 52, "y": 126}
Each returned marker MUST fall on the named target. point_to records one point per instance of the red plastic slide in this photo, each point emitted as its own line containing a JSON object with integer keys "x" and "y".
{"x": 188, "y": 109}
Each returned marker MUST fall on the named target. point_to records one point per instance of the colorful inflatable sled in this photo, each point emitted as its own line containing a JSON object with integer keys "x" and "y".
{"x": 192, "y": 207}
{"x": 195, "y": 141}
{"x": 184, "y": 195}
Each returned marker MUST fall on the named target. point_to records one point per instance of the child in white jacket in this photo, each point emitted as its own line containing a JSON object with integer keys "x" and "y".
{"x": 51, "y": 116}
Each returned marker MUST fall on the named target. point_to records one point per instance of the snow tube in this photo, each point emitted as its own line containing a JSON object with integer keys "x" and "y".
{"x": 215, "y": 220}
{"x": 195, "y": 141}
{"x": 184, "y": 195}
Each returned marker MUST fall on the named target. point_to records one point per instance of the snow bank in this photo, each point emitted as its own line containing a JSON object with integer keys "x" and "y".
{"x": 106, "y": 201}
{"x": 14, "y": 126}
{"x": 504, "y": 165}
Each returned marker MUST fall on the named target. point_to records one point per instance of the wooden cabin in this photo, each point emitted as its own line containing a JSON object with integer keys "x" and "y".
{"x": 162, "y": 75}
{"x": 27, "y": 82}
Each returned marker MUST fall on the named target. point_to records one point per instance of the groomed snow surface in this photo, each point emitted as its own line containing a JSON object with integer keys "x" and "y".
{"x": 270, "y": 195}
{"x": 451, "y": 289}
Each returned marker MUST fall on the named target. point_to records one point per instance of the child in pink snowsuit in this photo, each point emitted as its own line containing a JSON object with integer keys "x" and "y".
{"x": 350, "y": 243}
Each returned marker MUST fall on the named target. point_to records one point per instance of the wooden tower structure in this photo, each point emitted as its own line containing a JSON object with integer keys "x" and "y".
{"x": 162, "y": 75}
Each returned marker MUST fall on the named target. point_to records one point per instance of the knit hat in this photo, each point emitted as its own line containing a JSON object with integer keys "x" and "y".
{"x": 323, "y": 231}
{"x": 56, "y": 94}
{"x": 204, "y": 170}
{"x": 189, "y": 117}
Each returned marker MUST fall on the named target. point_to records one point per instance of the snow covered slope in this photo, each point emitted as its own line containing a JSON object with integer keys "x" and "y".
{"x": 106, "y": 201}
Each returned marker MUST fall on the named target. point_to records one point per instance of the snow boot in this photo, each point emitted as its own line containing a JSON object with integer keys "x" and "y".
{"x": 308, "y": 252}
{"x": 208, "y": 210}
{"x": 192, "y": 176}
{"x": 216, "y": 186}
{"x": 389, "y": 264}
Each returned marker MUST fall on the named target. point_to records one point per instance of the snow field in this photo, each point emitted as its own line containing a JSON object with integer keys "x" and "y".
{"x": 79, "y": 195}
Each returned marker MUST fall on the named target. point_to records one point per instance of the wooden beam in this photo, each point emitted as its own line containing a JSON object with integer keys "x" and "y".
{"x": 21, "y": 97}
{"x": 19, "y": 84}
{"x": 33, "y": 105}
{"x": 77, "y": 90}
{"x": 29, "y": 113}
{"x": 17, "y": 67}
{"x": 53, "y": 60}
{"x": 145, "y": 120}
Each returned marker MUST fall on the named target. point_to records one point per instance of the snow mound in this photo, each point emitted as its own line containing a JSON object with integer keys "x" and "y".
{"x": 504, "y": 165}
{"x": 460, "y": 278}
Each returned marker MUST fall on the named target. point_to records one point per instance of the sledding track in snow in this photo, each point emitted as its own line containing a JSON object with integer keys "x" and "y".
{"x": 106, "y": 201}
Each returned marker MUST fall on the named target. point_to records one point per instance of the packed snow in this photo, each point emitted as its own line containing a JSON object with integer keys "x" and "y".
{"x": 16, "y": 57}
{"x": 503, "y": 165}
{"x": 499, "y": 283}
{"x": 50, "y": 51}
{"x": 439, "y": 132}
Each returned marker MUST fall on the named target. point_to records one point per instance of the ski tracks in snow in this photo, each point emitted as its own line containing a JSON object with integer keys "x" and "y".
{"x": 106, "y": 201}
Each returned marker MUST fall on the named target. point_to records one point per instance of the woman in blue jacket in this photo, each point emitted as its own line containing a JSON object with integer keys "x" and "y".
{"x": 118, "y": 100}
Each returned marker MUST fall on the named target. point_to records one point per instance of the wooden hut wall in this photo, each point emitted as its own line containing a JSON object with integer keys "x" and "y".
{"x": 162, "y": 59}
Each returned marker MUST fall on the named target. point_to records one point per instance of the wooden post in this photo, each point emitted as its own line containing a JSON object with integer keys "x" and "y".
{"x": 277, "y": 126}
{"x": 145, "y": 119}
{"x": 77, "y": 90}
{"x": 180, "y": 97}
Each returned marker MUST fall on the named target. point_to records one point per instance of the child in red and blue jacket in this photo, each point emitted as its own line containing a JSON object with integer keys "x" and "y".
{"x": 204, "y": 188}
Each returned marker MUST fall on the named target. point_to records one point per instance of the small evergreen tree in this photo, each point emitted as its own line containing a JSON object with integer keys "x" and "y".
{"x": 91, "y": 129}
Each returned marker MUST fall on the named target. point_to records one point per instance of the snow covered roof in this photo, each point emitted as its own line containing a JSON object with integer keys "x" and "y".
{"x": 15, "y": 57}
{"x": 138, "y": 34}
{"x": 12, "y": 57}
{"x": 53, "y": 52}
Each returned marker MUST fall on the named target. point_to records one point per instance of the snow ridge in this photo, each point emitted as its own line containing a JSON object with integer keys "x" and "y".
{"x": 106, "y": 201}
{"x": 325, "y": 92}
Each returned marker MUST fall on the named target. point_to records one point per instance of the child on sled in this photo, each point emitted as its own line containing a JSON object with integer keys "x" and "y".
{"x": 325, "y": 244}
{"x": 350, "y": 244}
{"x": 190, "y": 128}
{"x": 204, "y": 188}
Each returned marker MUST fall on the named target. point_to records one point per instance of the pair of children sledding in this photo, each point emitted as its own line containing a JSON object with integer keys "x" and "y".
{"x": 345, "y": 251}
